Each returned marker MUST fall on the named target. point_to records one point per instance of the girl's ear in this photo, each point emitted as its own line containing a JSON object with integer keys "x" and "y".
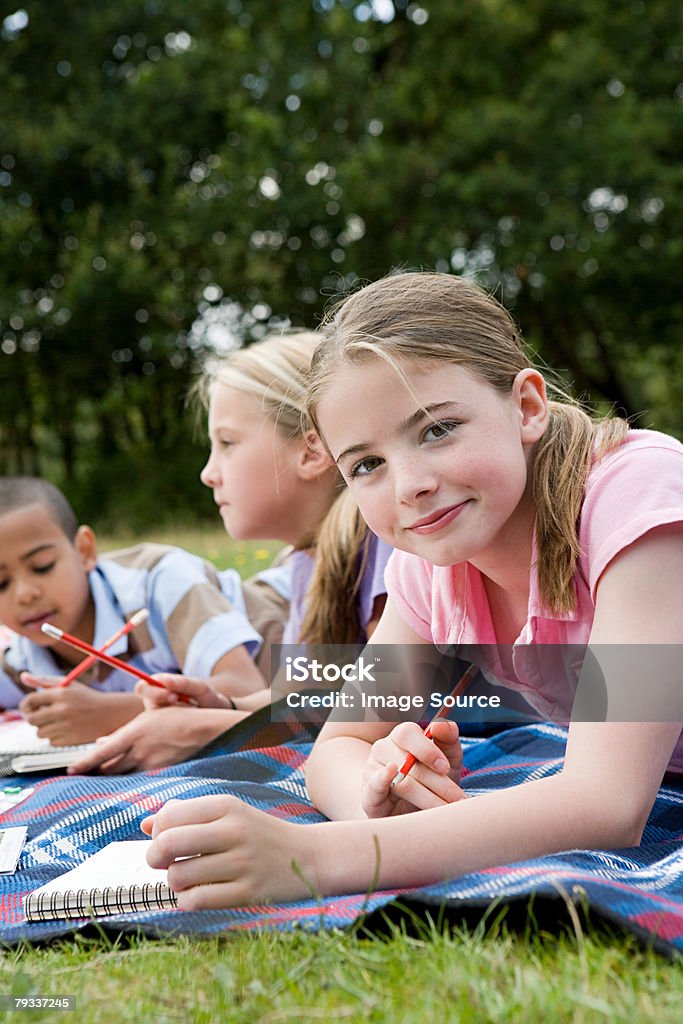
{"x": 313, "y": 459}
{"x": 86, "y": 545}
{"x": 529, "y": 392}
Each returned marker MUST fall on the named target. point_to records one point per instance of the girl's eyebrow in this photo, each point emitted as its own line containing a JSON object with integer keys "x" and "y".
{"x": 218, "y": 428}
{"x": 424, "y": 412}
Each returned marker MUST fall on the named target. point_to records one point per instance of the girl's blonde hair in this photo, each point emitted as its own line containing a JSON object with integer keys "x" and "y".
{"x": 275, "y": 372}
{"x": 332, "y": 609}
{"x": 440, "y": 317}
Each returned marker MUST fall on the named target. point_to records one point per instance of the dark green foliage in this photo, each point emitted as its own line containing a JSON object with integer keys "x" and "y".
{"x": 160, "y": 159}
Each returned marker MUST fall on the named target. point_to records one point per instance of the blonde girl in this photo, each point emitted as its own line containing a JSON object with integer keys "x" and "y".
{"x": 271, "y": 479}
{"x": 519, "y": 521}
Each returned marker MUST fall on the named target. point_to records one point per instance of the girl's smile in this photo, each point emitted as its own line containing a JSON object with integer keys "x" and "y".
{"x": 438, "y": 520}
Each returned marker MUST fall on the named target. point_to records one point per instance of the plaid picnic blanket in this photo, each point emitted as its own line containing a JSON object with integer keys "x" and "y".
{"x": 69, "y": 819}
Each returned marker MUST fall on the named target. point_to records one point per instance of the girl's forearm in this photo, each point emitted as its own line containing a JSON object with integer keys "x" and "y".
{"x": 536, "y": 818}
{"x": 253, "y": 701}
{"x": 236, "y": 674}
{"x": 334, "y": 772}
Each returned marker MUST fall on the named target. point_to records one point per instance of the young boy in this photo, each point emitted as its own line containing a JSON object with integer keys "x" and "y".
{"x": 201, "y": 623}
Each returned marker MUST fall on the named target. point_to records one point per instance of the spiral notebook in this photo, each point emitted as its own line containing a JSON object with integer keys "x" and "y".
{"x": 23, "y": 751}
{"x": 116, "y": 880}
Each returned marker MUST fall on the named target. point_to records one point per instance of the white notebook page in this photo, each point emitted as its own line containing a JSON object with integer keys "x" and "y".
{"x": 122, "y": 863}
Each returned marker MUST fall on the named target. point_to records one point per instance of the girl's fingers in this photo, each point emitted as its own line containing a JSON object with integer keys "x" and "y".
{"x": 445, "y": 732}
{"x": 183, "y": 684}
{"x": 210, "y": 868}
{"x": 425, "y": 789}
{"x": 118, "y": 766}
{"x": 431, "y": 779}
{"x": 199, "y": 810}
{"x": 378, "y": 785}
{"x": 107, "y": 750}
{"x": 408, "y": 738}
{"x": 441, "y": 752}
{"x": 213, "y": 897}
{"x": 155, "y": 695}
{"x": 190, "y": 841}
{"x": 446, "y": 735}
{"x": 147, "y": 824}
{"x": 378, "y": 797}
{"x": 220, "y": 852}
{"x": 173, "y": 688}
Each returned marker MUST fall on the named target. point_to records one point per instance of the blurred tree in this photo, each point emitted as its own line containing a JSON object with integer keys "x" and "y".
{"x": 167, "y": 169}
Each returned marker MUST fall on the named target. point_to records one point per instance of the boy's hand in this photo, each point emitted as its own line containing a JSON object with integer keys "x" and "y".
{"x": 433, "y": 779}
{"x": 68, "y": 715}
{"x": 198, "y": 690}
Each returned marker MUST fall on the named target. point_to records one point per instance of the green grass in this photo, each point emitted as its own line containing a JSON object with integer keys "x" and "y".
{"x": 441, "y": 975}
{"x": 211, "y": 542}
{"x": 577, "y": 974}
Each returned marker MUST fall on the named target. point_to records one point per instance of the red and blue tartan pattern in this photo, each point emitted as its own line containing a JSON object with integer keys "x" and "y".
{"x": 640, "y": 889}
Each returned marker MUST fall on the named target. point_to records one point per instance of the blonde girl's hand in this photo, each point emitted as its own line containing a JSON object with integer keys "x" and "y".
{"x": 173, "y": 686}
{"x": 433, "y": 780}
{"x": 235, "y": 855}
{"x": 151, "y": 741}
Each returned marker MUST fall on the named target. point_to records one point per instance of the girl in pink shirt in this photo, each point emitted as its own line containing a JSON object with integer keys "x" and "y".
{"x": 518, "y": 520}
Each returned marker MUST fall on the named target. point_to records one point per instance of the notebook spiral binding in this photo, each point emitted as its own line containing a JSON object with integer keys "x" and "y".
{"x": 120, "y": 899}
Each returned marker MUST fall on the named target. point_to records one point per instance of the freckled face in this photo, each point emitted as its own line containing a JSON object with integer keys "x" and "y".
{"x": 43, "y": 576}
{"x": 450, "y": 483}
{"x": 251, "y": 469}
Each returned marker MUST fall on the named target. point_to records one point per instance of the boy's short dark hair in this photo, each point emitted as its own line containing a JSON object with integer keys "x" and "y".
{"x": 19, "y": 491}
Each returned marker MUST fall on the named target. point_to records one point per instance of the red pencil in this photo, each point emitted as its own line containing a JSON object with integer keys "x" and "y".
{"x": 58, "y": 634}
{"x": 461, "y": 685}
{"x": 88, "y": 662}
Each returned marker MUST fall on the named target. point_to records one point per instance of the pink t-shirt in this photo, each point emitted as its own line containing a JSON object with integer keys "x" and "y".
{"x": 630, "y": 491}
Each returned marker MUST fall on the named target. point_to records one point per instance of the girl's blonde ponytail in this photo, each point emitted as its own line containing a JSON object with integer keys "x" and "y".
{"x": 563, "y": 459}
{"x": 332, "y": 598}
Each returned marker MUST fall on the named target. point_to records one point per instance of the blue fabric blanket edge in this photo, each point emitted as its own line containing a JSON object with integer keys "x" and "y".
{"x": 639, "y": 889}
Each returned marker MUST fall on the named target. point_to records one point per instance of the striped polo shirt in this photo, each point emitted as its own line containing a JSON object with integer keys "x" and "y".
{"x": 196, "y": 615}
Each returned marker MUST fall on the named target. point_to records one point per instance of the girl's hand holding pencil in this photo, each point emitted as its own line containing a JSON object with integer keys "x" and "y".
{"x": 432, "y": 780}
{"x": 427, "y": 765}
{"x": 181, "y": 688}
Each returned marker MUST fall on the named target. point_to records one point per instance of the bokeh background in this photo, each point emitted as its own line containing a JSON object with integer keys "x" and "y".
{"x": 179, "y": 177}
